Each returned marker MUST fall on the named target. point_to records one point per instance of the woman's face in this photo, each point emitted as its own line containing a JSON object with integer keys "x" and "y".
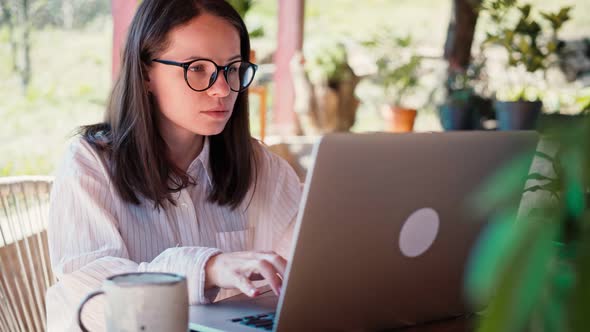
{"x": 184, "y": 112}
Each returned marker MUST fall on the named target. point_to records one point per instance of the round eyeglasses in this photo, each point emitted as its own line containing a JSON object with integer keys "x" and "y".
{"x": 201, "y": 74}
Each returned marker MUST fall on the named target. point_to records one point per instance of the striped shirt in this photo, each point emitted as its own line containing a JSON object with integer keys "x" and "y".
{"x": 93, "y": 233}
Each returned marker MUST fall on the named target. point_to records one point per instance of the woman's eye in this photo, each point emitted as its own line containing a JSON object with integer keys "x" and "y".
{"x": 198, "y": 68}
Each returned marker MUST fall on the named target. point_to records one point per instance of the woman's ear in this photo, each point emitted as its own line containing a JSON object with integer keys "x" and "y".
{"x": 145, "y": 71}
{"x": 146, "y": 81}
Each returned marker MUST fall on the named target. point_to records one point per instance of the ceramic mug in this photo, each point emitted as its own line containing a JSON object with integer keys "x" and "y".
{"x": 144, "y": 301}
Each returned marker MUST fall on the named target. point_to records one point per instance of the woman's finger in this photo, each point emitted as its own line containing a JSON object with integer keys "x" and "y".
{"x": 245, "y": 285}
{"x": 269, "y": 273}
{"x": 279, "y": 263}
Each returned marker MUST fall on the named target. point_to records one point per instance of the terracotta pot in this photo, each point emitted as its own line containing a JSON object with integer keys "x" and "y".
{"x": 398, "y": 119}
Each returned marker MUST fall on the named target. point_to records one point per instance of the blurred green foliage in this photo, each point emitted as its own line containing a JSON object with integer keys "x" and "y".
{"x": 530, "y": 39}
{"x": 57, "y": 13}
{"x": 399, "y": 67}
{"x": 533, "y": 267}
{"x": 526, "y": 41}
{"x": 243, "y": 7}
{"x": 327, "y": 63}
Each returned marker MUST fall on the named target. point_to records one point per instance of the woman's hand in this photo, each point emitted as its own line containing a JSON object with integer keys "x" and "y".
{"x": 239, "y": 269}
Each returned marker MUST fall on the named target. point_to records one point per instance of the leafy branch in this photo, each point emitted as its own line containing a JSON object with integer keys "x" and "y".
{"x": 398, "y": 66}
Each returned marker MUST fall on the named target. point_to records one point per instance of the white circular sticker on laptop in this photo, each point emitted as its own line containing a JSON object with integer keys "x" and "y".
{"x": 419, "y": 232}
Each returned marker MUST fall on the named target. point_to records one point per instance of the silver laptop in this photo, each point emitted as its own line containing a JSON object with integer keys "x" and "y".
{"x": 382, "y": 236}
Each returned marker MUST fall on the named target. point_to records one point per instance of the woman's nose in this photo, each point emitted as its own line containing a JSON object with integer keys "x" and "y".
{"x": 220, "y": 87}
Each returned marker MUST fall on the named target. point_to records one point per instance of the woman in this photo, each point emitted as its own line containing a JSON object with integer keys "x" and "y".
{"x": 172, "y": 180}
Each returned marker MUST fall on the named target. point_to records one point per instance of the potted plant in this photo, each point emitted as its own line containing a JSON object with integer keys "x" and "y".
{"x": 332, "y": 81}
{"x": 398, "y": 70}
{"x": 531, "y": 44}
{"x": 532, "y": 264}
{"x": 457, "y": 112}
{"x": 464, "y": 106}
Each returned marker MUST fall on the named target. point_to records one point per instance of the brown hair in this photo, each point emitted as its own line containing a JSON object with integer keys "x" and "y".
{"x": 130, "y": 137}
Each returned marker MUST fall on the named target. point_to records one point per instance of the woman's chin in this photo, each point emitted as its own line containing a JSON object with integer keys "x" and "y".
{"x": 211, "y": 131}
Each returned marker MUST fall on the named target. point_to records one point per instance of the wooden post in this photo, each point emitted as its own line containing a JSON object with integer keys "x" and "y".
{"x": 290, "y": 40}
{"x": 123, "y": 11}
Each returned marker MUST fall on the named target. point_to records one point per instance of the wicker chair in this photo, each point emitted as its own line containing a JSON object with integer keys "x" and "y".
{"x": 25, "y": 272}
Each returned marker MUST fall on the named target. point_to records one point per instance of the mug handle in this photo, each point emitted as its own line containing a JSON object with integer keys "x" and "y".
{"x": 81, "y": 306}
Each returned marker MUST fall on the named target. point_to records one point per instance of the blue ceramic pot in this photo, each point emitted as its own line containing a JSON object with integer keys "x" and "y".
{"x": 456, "y": 117}
{"x": 517, "y": 115}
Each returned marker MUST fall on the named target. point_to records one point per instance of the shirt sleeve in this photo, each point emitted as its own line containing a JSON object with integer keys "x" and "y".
{"x": 86, "y": 247}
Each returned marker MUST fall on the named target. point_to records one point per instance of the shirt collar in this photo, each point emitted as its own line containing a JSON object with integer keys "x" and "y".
{"x": 203, "y": 159}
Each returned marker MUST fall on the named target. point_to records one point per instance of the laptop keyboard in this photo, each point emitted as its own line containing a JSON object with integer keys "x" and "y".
{"x": 263, "y": 322}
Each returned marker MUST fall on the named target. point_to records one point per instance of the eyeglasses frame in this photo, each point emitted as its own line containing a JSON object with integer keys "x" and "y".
{"x": 186, "y": 65}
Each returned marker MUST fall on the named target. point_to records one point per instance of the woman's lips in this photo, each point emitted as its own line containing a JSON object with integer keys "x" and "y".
{"x": 216, "y": 113}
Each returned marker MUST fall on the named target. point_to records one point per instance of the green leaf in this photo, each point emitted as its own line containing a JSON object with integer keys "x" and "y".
{"x": 564, "y": 13}
{"x": 257, "y": 32}
{"x": 520, "y": 283}
{"x": 534, "y": 29}
{"x": 509, "y": 36}
{"x": 241, "y": 6}
{"x": 525, "y": 10}
{"x": 488, "y": 259}
{"x": 578, "y": 307}
{"x": 574, "y": 191}
{"x": 523, "y": 46}
{"x": 404, "y": 41}
{"x": 551, "y": 18}
{"x": 557, "y": 19}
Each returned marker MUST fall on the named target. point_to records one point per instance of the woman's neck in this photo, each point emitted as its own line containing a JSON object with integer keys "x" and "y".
{"x": 183, "y": 149}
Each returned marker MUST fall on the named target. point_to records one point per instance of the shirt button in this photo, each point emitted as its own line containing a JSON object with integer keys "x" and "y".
{"x": 183, "y": 205}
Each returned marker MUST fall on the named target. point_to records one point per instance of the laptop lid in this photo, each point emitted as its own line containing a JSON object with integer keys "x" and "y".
{"x": 383, "y": 236}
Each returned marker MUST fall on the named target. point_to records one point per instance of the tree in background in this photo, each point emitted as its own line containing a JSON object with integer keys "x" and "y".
{"x": 8, "y": 20}
{"x": 460, "y": 34}
{"x": 15, "y": 15}
{"x": 22, "y": 17}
